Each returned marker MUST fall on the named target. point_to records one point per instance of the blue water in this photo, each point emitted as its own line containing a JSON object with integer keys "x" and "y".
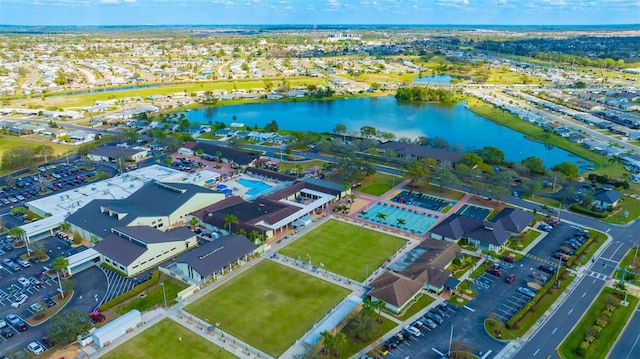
{"x": 435, "y": 79}
{"x": 255, "y": 187}
{"x": 417, "y": 222}
{"x": 457, "y": 124}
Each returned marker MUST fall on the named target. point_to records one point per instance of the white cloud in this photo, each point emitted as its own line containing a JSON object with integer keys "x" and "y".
{"x": 109, "y": 1}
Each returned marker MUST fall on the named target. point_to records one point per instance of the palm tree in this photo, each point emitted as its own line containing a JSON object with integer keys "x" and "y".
{"x": 401, "y": 222}
{"x": 19, "y": 235}
{"x": 59, "y": 264}
{"x": 339, "y": 338}
{"x": 381, "y": 216}
{"x": 326, "y": 338}
{"x": 230, "y": 219}
{"x": 380, "y": 305}
{"x": 361, "y": 326}
{"x": 254, "y": 235}
{"x": 328, "y": 341}
{"x": 368, "y": 307}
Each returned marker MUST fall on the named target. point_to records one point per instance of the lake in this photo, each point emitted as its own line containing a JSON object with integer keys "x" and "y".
{"x": 456, "y": 123}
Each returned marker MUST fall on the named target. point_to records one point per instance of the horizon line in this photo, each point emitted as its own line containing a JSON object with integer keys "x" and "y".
{"x": 320, "y": 24}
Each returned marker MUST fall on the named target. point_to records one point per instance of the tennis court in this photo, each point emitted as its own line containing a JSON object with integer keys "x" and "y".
{"x": 419, "y": 199}
{"x": 478, "y": 212}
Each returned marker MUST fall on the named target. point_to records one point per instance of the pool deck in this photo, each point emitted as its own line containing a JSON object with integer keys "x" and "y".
{"x": 364, "y": 200}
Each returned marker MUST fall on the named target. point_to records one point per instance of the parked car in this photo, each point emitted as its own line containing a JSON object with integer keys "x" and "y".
{"x": 429, "y": 323}
{"x": 13, "y": 319}
{"x": 3, "y": 323}
{"x": 20, "y": 299}
{"x": 97, "y": 317}
{"x": 35, "y": 348}
{"x": 561, "y": 256}
{"x": 24, "y": 282}
{"x": 413, "y": 330}
{"x": 509, "y": 259}
{"x": 511, "y": 278}
{"x": 47, "y": 299}
{"x": 495, "y": 271}
{"x": 7, "y": 332}
{"x": 547, "y": 268}
{"x": 435, "y": 317}
{"x": 36, "y": 307}
{"x": 526, "y": 291}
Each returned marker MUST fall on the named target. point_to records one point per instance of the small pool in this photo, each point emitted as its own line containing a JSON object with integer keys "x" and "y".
{"x": 255, "y": 187}
{"x": 399, "y": 217}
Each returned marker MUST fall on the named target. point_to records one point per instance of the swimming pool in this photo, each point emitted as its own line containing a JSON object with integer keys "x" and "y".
{"x": 255, "y": 187}
{"x": 413, "y": 221}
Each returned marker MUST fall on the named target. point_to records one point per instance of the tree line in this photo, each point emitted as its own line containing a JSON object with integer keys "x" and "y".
{"x": 425, "y": 94}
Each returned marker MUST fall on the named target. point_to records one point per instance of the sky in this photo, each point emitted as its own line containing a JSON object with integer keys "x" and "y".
{"x": 318, "y": 12}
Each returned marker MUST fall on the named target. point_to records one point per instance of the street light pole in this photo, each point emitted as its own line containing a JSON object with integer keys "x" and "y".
{"x": 366, "y": 274}
{"x": 164, "y": 295}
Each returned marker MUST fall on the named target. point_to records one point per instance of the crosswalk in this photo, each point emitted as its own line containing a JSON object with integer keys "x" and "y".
{"x": 598, "y": 275}
{"x": 542, "y": 260}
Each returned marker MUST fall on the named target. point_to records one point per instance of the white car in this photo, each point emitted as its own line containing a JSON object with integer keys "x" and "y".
{"x": 3, "y": 323}
{"x": 36, "y": 348}
{"x": 413, "y": 330}
{"x": 24, "y": 281}
{"x": 19, "y": 300}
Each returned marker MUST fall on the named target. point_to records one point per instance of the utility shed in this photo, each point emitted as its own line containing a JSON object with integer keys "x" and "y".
{"x": 117, "y": 328}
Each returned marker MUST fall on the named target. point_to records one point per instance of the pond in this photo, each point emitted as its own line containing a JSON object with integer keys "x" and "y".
{"x": 457, "y": 124}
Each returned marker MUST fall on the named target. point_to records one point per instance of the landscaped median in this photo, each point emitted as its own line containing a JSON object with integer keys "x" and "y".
{"x": 599, "y": 327}
{"x": 531, "y": 312}
{"x": 48, "y": 313}
{"x": 587, "y": 250}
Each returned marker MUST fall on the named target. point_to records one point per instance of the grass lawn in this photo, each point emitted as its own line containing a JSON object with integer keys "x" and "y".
{"x": 154, "y": 297}
{"x": 162, "y": 341}
{"x": 417, "y": 306}
{"x": 437, "y": 191}
{"x": 345, "y": 248}
{"x": 522, "y": 240}
{"x": 8, "y": 142}
{"x": 459, "y": 269}
{"x": 354, "y": 345}
{"x": 288, "y": 165}
{"x": 379, "y": 183}
{"x": 602, "y": 344}
{"x": 628, "y": 204}
{"x": 628, "y": 263}
{"x": 269, "y": 306}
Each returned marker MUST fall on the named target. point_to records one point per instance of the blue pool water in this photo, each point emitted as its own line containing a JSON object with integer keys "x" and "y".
{"x": 416, "y": 222}
{"x": 255, "y": 187}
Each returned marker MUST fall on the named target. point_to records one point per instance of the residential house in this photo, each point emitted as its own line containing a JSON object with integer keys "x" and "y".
{"x": 604, "y": 199}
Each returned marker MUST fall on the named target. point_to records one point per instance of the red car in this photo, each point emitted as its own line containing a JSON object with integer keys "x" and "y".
{"x": 495, "y": 271}
{"x": 97, "y": 317}
{"x": 511, "y": 278}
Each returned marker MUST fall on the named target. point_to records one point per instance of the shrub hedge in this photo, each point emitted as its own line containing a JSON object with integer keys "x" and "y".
{"x": 578, "y": 208}
{"x": 132, "y": 292}
{"x": 514, "y": 321}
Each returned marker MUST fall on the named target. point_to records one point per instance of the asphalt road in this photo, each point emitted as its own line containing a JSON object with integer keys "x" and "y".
{"x": 628, "y": 344}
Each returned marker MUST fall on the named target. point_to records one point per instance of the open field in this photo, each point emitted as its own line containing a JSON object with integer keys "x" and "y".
{"x": 154, "y": 296}
{"x": 258, "y": 306}
{"x": 303, "y": 165}
{"x": 345, "y": 248}
{"x": 162, "y": 340}
{"x": 8, "y": 142}
{"x": 379, "y": 183}
{"x": 605, "y": 339}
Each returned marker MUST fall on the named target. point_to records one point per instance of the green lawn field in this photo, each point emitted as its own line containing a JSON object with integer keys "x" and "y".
{"x": 379, "y": 183}
{"x": 162, "y": 340}
{"x": 33, "y": 141}
{"x": 345, "y": 248}
{"x": 269, "y": 306}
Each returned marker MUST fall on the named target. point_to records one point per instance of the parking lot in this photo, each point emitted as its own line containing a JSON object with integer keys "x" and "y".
{"x": 496, "y": 295}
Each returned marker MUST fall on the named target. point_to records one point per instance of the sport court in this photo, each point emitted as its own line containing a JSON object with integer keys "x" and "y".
{"x": 419, "y": 199}
{"x": 478, "y": 212}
